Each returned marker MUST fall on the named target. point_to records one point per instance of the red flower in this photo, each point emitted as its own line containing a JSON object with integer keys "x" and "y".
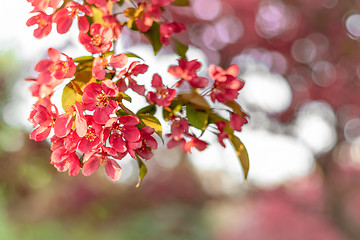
{"x": 161, "y": 3}
{"x": 236, "y": 122}
{"x": 44, "y": 23}
{"x": 124, "y": 135}
{"x": 64, "y": 160}
{"x": 92, "y": 163}
{"x": 163, "y": 96}
{"x": 148, "y": 143}
{"x": 100, "y": 40}
{"x": 187, "y": 72}
{"x": 64, "y": 17}
{"x": 96, "y": 97}
{"x": 100, "y": 64}
{"x": 168, "y": 29}
{"x": 42, "y": 5}
{"x": 55, "y": 67}
{"x": 133, "y": 70}
{"x": 114, "y": 24}
{"x": 64, "y": 122}
{"x": 226, "y": 85}
{"x": 98, "y": 3}
{"x": 43, "y": 116}
{"x": 149, "y": 14}
{"x": 195, "y": 142}
{"x": 222, "y": 134}
{"x": 91, "y": 140}
{"x": 98, "y": 70}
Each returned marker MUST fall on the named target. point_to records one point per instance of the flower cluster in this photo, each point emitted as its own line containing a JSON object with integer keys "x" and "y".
{"x": 95, "y": 128}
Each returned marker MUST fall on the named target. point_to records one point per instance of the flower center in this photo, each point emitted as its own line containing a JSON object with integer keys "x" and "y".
{"x": 102, "y": 100}
{"x": 90, "y": 135}
{"x": 96, "y": 40}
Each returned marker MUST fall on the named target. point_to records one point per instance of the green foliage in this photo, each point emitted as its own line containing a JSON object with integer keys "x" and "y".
{"x": 195, "y": 99}
{"x": 84, "y": 59}
{"x": 150, "y": 109}
{"x": 175, "y": 106}
{"x": 197, "y": 118}
{"x": 125, "y": 96}
{"x": 73, "y": 90}
{"x": 180, "y": 48}
{"x": 241, "y": 153}
{"x": 142, "y": 170}
{"x": 181, "y": 3}
{"x": 151, "y": 121}
{"x": 133, "y": 55}
{"x": 154, "y": 37}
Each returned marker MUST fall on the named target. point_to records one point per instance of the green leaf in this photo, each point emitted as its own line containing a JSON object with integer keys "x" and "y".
{"x": 142, "y": 170}
{"x": 236, "y": 107}
{"x": 150, "y": 109}
{"x": 70, "y": 95}
{"x": 121, "y": 113}
{"x": 84, "y": 59}
{"x": 181, "y": 3}
{"x": 195, "y": 99}
{"x": 125, "y": 96}
{"x": 214, "y": 118}
{"x": 151, "y": 121}
{"x": 97, "y": 15}
{"x": 133, "y": 55}
{"x": 180, "y": 48}
{"x": 109, "y": 53}
{"x": 242, "y": 153}
{"x": 121, "y": 2}
{"x": 153, "y": 34}
{"x": 197, "y": 118}
{"x": 175, "y": 106}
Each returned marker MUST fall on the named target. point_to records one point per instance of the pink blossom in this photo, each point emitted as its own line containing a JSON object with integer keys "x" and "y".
{"x": 64, "y": 122}
{"x": 124, "y": 135}
{"x": 98, "y": 3}
{"x": 186, "y": 71}
{"x": 100, "y": 40}
{"x": 179, "y": 128}
{"x": 149, "y": 14}
{"x": 222, "y": 134}
{"x": 64, "y": 17}
{"x": 195, "y": 142}
{"x": 114, "y": 24}
{"x": 168, "y": 29}
{"x": 97, "y": 97}
{"x": 236, "y": 122}
{"x": 44, "y": 23}
{"x": 148, "y": 143}
{"x": 43, "y": 117}
{"x": 42, "y": 5}
{"x": 55, "y": 67}
{"x": 161, "y": 3}
{"x": 163, "y": 96}
{"x": 98, "y": 70}
{"x": 64, "y": 160}
{"x": 226, "y": 85}
{"x": 91, "y": 140}
{"x": 133, "y": 70}
{"x": 93, "y": 161}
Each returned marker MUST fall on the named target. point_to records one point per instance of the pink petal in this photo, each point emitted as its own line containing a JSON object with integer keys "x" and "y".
{"x": 113, "y": 170}
{"x": 118, "y": 61}
{"x": 40, "y": 133}
{"x": 91, "y": 165}
{"x": 63, "y": 125}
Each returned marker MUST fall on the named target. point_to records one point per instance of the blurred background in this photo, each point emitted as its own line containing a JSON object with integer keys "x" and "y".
{"x": 300, "y": 60}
